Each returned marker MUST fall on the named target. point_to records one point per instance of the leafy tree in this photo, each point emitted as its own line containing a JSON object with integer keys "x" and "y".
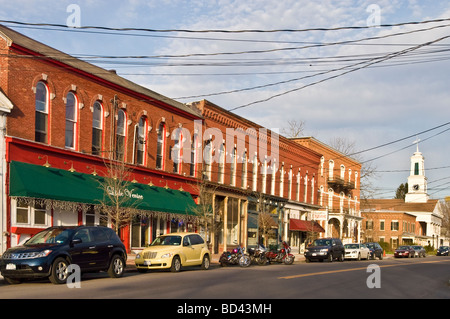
{"x": 401, "y": 191}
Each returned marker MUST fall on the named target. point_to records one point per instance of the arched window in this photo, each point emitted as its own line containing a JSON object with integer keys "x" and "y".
{"x": 71, "y": 120}
{"x": 160, "y": 145}
{"x": 207, "y": 158}
{"x": 221, "y": 175}
{"x": 233, "y": 167}
{"x": 141, "y": 141}
{"x": 97, "y": 128}
{"x": 121, "y": 133}
{"x": 177, "y": 151}
{"x": 244, "y": 170}
{"x": 255, "y": 173}
{"x": 41, "y": 121}
{"x": 194, "y": 156}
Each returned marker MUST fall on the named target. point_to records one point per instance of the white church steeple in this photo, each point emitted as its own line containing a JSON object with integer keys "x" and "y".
{"x": 417, "y": 182}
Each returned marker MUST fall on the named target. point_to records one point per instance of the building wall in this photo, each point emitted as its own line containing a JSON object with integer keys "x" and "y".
{"x": 296, "y": 167}
{"x": 24, "y": 74}
{"x": 351, "y": 177}
{"x": 399, "y": 227}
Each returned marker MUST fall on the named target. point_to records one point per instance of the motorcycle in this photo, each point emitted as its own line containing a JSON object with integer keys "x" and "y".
{"x": 281, "y": 256}
{"x": 236, "y": 256}
{"x": 258, "y": 254}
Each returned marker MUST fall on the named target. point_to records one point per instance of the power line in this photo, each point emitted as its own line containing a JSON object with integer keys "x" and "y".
{"x": 64, "y": 26}
{"x": 356, "y": 68}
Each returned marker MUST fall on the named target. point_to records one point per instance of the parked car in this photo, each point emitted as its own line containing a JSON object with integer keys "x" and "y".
{"x": 173, "y": 251}
{"x": 375, "y": 250}
{"x": 404, "y": 251}
{"x": 51, "y": 251}
{"x": 356, "y": 251}
{"x": 443, "y": 251}
{"x": 325, "y": 248}
{"x": 420, "y": 251}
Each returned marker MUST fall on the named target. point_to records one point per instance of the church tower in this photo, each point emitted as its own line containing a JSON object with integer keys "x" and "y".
{"x": 417, "y": 182}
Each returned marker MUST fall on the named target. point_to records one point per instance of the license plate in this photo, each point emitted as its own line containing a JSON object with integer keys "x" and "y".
{"x": 10, "y": 266}
{"x": 147, "y": 262}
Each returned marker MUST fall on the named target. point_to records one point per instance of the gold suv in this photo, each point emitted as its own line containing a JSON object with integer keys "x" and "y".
{"x": 174, "y": 251}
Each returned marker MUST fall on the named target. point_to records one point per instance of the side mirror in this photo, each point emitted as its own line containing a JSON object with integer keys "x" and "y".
{"x": 76, "y": 241}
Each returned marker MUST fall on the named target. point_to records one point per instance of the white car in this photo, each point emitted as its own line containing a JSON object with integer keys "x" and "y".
{"x": 356, "y": 251}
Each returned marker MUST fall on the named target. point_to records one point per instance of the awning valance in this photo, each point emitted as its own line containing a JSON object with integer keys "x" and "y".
{"x": 34, "y": 181}
{"x": 305, "y": 225}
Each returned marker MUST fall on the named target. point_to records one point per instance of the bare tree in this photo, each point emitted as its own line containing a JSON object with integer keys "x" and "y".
{"x": 118, "y": 203}
{"x": 205, "y": 209}
{"x": 445, "y": 210}
{"x": 368, "y": 169}
{"x": 295, "y": 129}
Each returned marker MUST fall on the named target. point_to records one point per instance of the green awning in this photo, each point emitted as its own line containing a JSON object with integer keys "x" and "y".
{"x": 34, "y": 181}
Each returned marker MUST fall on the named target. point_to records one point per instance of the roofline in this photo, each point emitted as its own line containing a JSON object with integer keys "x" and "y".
{"x": 20, "y": 42}
{"x": 326, "y": 146}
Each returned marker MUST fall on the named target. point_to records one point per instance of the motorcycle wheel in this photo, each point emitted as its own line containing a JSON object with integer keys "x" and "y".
{"x": 262, "y": 261}
{"x": 289, "y": 260}
{"x": 245, "y": 261}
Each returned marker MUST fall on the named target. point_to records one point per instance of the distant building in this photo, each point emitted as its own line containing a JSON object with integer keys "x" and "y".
{"x": 417, "y": 219}
{"x": 338, "y": 186}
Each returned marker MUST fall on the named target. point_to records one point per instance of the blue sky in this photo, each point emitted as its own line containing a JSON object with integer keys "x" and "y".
{"x": 370, "y": 107}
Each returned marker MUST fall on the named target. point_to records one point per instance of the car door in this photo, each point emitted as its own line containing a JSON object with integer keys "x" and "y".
{"x": 83, "y": 252}
{"x": 188, "y": 250}
{"x": 102, "y": 247}
{"x": 197, "y": 243}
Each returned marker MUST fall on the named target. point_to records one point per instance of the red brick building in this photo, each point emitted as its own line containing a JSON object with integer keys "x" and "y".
{"x": 65, "y": 120}
{"x": 339, "y": 191}
{"x": 69, "y": 115}
{"x": 251, "y": 164}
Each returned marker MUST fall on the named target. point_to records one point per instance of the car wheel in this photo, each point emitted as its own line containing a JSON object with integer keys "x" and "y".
{"x": 59, "y": 272}
{"x": 381, "y": 256}
{"x": 116, "y": 267}
{"x": 176, "y": 264}
{"x": 359, "y": 257}
{"x": 330, "y": 257}
{"x": 205, "y": 262}
{"x": 341, "y": 257}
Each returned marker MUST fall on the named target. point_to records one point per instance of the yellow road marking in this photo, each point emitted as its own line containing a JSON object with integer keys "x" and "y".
{"x": 354, "y": 269}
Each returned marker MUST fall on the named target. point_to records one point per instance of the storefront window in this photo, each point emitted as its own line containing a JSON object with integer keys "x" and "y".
{"x": 232, "y": 222}
{"x": 31, "y": 215}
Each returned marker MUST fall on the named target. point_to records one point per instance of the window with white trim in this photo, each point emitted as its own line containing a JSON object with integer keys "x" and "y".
{"x": 71, "y": 120}
{"x": 34, "y": 215}
{"x": 141, "y": 141}
{"x": 160, "y": 145}
{"x": 41, "y": 116}
{"x": 97, "y": 128}
{"x": 121, "y": 135}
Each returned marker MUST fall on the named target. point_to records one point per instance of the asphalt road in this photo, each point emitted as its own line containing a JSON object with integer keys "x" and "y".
{"x": 390, "y": 279}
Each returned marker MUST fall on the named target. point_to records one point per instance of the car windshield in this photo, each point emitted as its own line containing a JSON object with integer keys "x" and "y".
{"x": 417, "y": 247}
{"x": 321, "y": 242}
{"x": 443, "y": 247}
{"x": 351, "y": 246}
{"x": 167, "y": 241}
{"x": 403, "y": 247}
{"x": 50, "y": 236}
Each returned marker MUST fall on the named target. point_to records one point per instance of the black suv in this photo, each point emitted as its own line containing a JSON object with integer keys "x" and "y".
{"x": 325, "y": 248}
{"x": 51, "y": 251}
